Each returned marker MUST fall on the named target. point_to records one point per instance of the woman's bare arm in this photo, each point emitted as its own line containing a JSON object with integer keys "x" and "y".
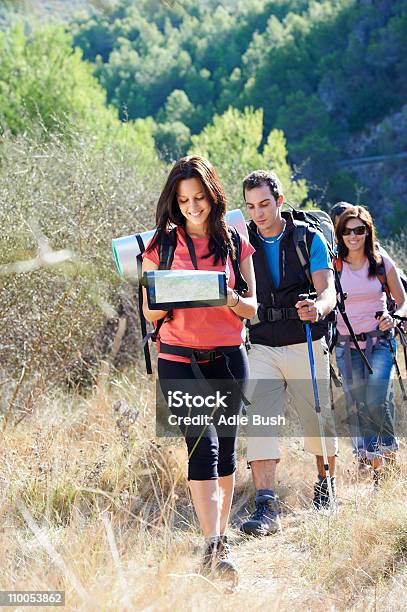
{"x": 150, "y": 315}
{"x": 246, "y": 307}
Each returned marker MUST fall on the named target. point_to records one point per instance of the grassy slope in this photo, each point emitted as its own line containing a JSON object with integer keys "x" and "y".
{"x": 116, "y": 528}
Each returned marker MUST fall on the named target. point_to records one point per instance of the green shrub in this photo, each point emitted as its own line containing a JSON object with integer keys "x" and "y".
{"x": 73, "y": 199}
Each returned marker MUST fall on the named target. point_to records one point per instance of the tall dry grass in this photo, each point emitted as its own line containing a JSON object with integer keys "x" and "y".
{"x": 94, "y": 504}
{"x": 91, "y": 502}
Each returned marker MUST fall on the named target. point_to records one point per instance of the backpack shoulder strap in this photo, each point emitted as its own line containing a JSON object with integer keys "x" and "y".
{"x": 166, "y": 249}
{"x": 338, "y": 264}
{"x": 382, "y": 278}
{"x": 143, "y": 322}
{"x": 301, "y": 247}
{"x": 240, "y": 284}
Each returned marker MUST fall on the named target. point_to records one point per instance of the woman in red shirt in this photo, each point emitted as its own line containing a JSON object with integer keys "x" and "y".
{"x": 193, "y": 200}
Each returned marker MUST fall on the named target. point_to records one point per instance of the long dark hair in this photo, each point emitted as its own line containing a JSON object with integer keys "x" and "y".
{"x": 371, "y": 250}
{"x": 168, "y": 212}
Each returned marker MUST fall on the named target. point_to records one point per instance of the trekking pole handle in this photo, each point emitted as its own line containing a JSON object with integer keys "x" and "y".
{"x": 307, "y": 296}
{"x": 379, "y": 314}
{"x": 312, "y": 297}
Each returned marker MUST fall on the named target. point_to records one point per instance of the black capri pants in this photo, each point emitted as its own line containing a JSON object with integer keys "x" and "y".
{"x": 213, "y": 454}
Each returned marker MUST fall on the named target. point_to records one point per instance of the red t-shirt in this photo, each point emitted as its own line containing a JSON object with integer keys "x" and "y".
{"x": 201, "y": 328}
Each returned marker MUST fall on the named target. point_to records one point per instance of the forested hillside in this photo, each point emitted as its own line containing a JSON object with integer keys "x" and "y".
{"x": 329, "y": 74}
{"x": 323, "y": 72}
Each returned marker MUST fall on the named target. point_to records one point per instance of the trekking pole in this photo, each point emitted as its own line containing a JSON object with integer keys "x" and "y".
{"x": 402, "y": 335}
{"x": 394, "y": 357}
{"x": 318, "y": 407}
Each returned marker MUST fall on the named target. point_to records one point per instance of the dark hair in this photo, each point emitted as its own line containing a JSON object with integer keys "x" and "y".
{"x": 371, "y": 250}
{"x": 168, "y": 212}
{"x": 337, "y": 209}
{"x": 258, "y": 178}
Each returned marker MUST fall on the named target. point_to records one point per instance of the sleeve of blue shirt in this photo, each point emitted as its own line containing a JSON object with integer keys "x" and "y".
{"x": 319, "y": 255}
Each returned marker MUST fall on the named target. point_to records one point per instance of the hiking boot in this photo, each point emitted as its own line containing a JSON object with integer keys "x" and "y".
{"x": 362, "y": 462}
{"x": 377, "y": 478}
{"x": 321, "y": 492}
{"x": 225, "y": 566}
{"x": 209, "y": 558}
{"x": 265, "y": 519}
{"x": 217, "y": 560}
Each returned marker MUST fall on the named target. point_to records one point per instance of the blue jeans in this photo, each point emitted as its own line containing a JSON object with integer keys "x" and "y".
{"x": 369, "y": 400}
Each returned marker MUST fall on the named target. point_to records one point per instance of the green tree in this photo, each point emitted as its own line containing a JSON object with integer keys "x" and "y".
{"x": 177, "y": 107}
{"x": 309, "y": 129}
{"x": 172, "y": 139}
{"x": 44, "y": 83}
{"x": 46, "y": 88}
{"x": 232, "y": 143}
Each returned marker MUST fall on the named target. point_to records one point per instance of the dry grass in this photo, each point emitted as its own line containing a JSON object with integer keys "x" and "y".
{"x": 93, "y": 504}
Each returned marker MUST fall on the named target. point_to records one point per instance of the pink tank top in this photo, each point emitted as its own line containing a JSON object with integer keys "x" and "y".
{"x": 365, "y": 298}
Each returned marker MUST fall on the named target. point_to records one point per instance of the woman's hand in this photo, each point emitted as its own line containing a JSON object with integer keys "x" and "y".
{"x": 150, "y": 315}
{"x": 386, "y": 322}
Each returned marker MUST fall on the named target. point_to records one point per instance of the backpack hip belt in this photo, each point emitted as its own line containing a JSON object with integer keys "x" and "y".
{"x": 197, "y": 355}
{"x": 346, "y": 341}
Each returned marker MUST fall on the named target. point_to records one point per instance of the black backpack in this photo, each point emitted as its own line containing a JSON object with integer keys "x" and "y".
{"x": 166, "y": 252}
{"x": 318, "y": 220}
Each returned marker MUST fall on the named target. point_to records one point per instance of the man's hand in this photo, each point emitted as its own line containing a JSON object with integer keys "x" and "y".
{"x": 308, "y": 310}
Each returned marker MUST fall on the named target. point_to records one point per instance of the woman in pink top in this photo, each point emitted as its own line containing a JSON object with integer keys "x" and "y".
{"x": 360, "y": 263}
{"x": 193, "y": 200}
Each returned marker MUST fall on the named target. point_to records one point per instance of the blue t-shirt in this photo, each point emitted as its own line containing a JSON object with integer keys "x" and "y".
{"x": 319, "y": 255}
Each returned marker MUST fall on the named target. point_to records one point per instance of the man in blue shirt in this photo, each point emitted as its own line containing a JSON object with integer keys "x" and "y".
{"x": 279, "y": 360}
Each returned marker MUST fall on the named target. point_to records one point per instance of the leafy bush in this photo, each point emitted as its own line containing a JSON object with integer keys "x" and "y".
{"x": 66, "y": 202}
{"x": 46, "y": 88}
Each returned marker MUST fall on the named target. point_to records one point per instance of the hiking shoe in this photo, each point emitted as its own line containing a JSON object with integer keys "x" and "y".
{"x": 321, "y": 492}
{"x": 217, "y": 560}
{"x": 209, "y": 558}
{"x": 362, "y": 461}
{"x": 265, "y": 519}
{"x": 225, "y": 566}
{"x": 377, "y": 478}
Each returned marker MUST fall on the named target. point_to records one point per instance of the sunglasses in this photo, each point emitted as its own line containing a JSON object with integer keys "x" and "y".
{"x": 360, "y": 230}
